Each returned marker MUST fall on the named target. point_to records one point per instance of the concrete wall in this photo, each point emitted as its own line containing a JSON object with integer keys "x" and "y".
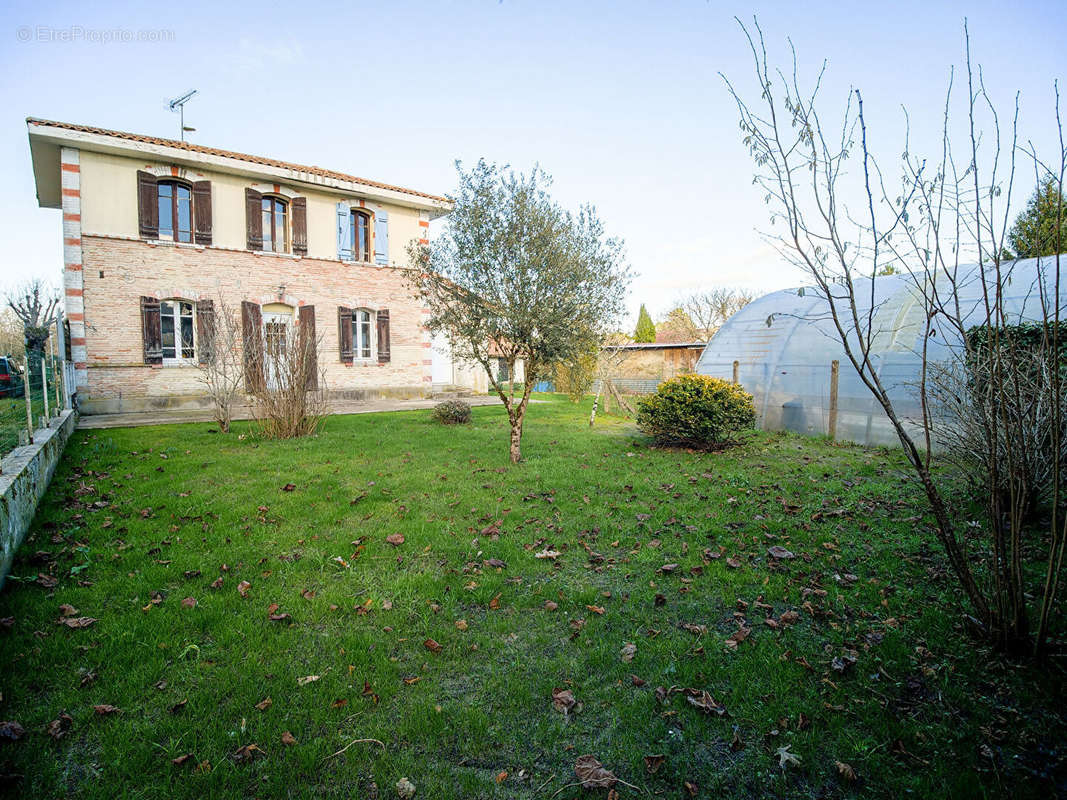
{"x": 27, "y": 471}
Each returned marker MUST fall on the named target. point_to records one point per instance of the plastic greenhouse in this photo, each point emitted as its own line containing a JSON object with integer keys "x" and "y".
{"x": 784, "y": 344}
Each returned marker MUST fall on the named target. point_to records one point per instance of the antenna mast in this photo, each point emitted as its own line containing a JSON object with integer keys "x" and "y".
{"x": 178, "y": 103}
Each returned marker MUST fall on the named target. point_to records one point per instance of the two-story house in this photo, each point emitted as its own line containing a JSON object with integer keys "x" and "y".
{"x": 157, "y": 233}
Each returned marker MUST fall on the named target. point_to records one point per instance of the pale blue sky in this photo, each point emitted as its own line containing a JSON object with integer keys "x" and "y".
{"x": 621, "y": 102}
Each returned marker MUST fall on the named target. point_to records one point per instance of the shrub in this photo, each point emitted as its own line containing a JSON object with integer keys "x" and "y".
{"x": 574, "y": 378}
{"x": 696, "y": 411}
{"x": 452, "y": 412}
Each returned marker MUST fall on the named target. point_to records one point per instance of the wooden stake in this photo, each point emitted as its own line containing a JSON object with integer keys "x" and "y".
{"x": 835, "y": 368}
{"x": 44, "y": 386}
{"x": 26, "y": 394}
{"x": 737, "y": 370}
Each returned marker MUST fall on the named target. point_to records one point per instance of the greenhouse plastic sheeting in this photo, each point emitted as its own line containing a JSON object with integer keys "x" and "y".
{"x": 785, "y": 342}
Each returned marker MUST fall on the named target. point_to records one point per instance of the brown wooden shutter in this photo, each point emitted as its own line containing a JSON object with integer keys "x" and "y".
{"x": 151, "y": 331}
{"x": 254, "y": 218}
{"x": 299, "y": 206}
{"x": 308, "y": 343}
{"x": 205, "y": 331}
{"x": 252, "y": 345}
{"x": 147, "y": 205}
{"x": 344, "y": 334}
{"x": 383, "y": 336}
{"x": 202, "y": 211}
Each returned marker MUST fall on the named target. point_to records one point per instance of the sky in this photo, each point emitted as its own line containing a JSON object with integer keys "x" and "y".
{"x": 622, "y": 102}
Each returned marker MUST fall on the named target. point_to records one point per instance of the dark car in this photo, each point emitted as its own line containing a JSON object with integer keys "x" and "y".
{"x": 10, "y": 378}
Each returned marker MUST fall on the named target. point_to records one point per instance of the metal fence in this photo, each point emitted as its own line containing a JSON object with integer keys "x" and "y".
{"x": 35, "y": 388}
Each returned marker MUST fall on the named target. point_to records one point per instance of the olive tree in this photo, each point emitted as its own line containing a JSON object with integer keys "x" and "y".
{"x": 517, "y": 277}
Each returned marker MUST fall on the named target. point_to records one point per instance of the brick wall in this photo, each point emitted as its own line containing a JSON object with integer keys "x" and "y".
{"x": 116, "y": 272}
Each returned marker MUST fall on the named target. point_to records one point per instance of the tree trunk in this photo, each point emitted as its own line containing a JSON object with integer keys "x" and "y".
{"x": 515, "y": 450}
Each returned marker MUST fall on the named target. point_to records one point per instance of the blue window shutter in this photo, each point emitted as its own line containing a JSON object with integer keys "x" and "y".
{"x": 381, "y": 236}
{"x": 344, "y": 231}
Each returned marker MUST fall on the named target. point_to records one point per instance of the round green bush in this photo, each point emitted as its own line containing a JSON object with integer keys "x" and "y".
{"x": 696, "y": 411}
{"x": 452, "y": 412}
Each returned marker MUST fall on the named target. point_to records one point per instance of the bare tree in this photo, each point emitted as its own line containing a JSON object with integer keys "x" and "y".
{"x": 289, "y": 397}
{"x": 221, "y": 365}
{"x": 844, "y": 227}
{"x": 35, "y": 303}
{"x": 708, "y": 309}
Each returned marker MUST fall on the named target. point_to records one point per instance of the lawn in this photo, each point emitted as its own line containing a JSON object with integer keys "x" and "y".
{"x": 245, "y": 593}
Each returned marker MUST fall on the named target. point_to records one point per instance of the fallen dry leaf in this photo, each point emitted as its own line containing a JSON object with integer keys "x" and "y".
{"x": 596, "y": 609}
{"x": 461, "y": 624}
{"x": 395, "y": 539}
{"x": 243, "y": 588}
{"x": 653, "y": 763}
{"x": 550, "y": 605}
{"x": 264, "y": 704}
{"x": 9, "y": 729}
{"x": 845, "y": 771}
{"x": 733, "y": 563}
{"x": 67, "y": 610}
{"x": 105, "y": 709}
{"x": 432, "y": 646}
{"x": 628, "y": 651}
{"x": 306, "y": 680}
{"x": 59, "y": 727}
{"x": 738, "y": 636}
{"x": 189, "y": 602}
{"x": 502, "y": 776}
{"x": 179, "y": 706}
{"x": 592, "y": 774}
{"x": 786, "y": 758}
{"x": 702, "y": 699}
{"x": 246, "y": 753}
{"x": 182, "y": 760}
{"x": 495, "y": 563}
{"x": 217, "y": 583}
{"x": 777, "y": 551}
{"x": 495, "y": 602}
{"x": 563, "y": 700}
{"x": 288, "y": 487}
{"x": 76, "y": 622}
{"x": 405, "y": 789}
{"x": 547, "y": 553}
{"x": 288, "y": 739}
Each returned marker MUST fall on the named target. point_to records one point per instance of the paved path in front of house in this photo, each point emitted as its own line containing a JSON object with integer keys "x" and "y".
{"x": 131, "y": 419}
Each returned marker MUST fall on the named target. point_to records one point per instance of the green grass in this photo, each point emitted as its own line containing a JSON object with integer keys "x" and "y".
{"x": 168, "y": 510}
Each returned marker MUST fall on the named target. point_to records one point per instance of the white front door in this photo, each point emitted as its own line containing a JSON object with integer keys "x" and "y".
{"x": 276, "y": 341}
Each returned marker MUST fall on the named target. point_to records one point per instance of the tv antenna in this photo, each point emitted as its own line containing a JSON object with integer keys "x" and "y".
{"x": 178, "y": 103}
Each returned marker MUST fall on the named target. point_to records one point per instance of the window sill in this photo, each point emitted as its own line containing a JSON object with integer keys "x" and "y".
{"x": 274, "y": 254}
{"x": 172, "y": 243}
{"x": 178, "y": 363}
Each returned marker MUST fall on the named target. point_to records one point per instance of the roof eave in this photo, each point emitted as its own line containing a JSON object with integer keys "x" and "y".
{"x": 45, "y": 141}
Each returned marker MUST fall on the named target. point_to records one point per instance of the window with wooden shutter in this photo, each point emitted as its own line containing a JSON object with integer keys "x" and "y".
{"x": 202, "y": 211}
{"x": 254, "y": 218}
{"x": 151, "y": 334}
{"x": 381, "y": 236}
{"x": 299, "y": 207}
{"x": 205, "y": 331}
{"x": 252, "y": 345}
{"x": 147, "y": 205}
{"x": 308, "y": 344}
{"x": 383, "y": 335}
{"x": 344, "y": 231}
{"x": 344, "y": 334}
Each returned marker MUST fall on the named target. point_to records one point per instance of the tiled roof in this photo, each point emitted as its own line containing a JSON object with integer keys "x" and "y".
{"x": 214, "y": 151}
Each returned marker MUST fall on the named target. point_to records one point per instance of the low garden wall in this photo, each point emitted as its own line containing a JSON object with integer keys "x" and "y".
{"x": 27, "y": 471}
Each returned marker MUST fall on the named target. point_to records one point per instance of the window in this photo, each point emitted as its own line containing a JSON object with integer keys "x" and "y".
{"x": 176, "y": 328}
{"x": 360, "y": 236}
{"x": 502, "y": 374}
{"x": 175, "y": 211}
{"x": 275, "y": 231}
{"x": 362, "y": 343}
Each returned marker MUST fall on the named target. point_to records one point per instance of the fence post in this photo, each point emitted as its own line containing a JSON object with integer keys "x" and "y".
{"x": 56, "y": 370}
{"x": 26, "y": 395}
{"x": 737, "y": 371}
{"x": 44, "y": 386}
{"x": 835, "y": 368}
